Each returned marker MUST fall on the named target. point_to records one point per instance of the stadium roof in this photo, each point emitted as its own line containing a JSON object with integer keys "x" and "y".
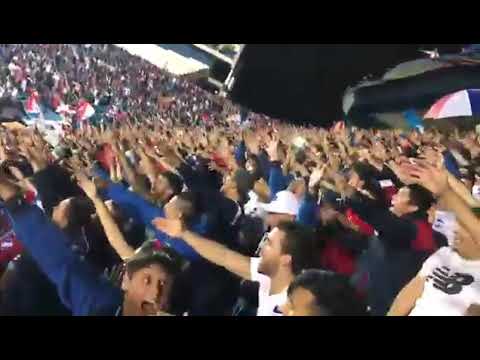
{"x": 171, "y": 61}
{"x": 214, "y": 52}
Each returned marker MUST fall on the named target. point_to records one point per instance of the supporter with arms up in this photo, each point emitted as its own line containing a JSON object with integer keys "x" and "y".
{"x": 145, "y": 286}
{"x": 448, "y": 191}
{"x": 405, "y": 240}
{"x": 113, "y": 233}
{"x": 448, "y": 283}
{"x": 206, "y": 282}
{"x": 167, "y": 188}
{"x": 287, "y": 251}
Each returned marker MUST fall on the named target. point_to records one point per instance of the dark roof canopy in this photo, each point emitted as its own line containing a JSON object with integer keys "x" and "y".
{"x": 305, "y": 83}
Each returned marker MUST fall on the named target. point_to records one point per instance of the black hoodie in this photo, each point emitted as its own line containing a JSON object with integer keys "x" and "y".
{"x": 397, "y": 254}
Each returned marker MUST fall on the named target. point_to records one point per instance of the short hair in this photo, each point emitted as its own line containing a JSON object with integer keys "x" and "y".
{"x": 258, "y": 166}
{"x": 175, "y": 181}
{"x": 151, "y": 252}
{"x": 188, "y": 204}
{"x": 421, "y": 197}
{"x": 80, "y": 212}
{"x": 299, "y": 243}
{"x": 333, "y": 293}
{"x": 250, "y": 233}
{"x": 300, "y": 156}
{"x": 244, "y": 182}
{"x": 366, "y": 173}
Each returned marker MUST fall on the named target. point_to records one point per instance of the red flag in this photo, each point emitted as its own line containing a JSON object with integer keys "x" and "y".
{"x": 32, "y": 106}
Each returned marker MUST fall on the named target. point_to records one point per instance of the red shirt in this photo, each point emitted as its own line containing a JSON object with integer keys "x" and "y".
{"x": 10, "y": 247}
{"x": 363, "y": 227}
{"x": 338, "y": 259}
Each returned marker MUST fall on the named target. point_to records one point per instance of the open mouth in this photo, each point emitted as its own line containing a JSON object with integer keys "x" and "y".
{"x": 149, "y": 308}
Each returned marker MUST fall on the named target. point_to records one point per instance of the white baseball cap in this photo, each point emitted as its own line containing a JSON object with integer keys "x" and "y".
{"x": 284, "y": 202}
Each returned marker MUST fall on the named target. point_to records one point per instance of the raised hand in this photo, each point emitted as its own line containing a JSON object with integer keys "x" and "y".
{"x": 173, "y": 228}
{"x": 429, "y": 176}
{"x": 16, "y": 173}
{"x": 88, "y": 186}
{"x": 272, "y": 150}
{"x": 401, "y": 172}
{"x": 316, "y": 176}
{"x": 251, "y": 142}
{"x": 36, "y": 157}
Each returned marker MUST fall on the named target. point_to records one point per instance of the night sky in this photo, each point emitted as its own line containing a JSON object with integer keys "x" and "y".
{"x": 305, "y": 83}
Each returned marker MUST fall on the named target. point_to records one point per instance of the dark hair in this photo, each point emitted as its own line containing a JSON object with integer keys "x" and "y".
{"x": 258, "y": 172}
{"x": 151, "y": 253}
{"x": 250, "y": 233}
{"x": 421, "y": 197}
{"x": 300, "y": 156}
{"x": 80, "y": 212}
{"x": 189, "y": 207}
{"x": 244, "y": 182}
{"x": 333, "y": 293}
{"x": 299, "y": 243}
{"x": 175, "y": 182}
{"x": 366, "y": 173}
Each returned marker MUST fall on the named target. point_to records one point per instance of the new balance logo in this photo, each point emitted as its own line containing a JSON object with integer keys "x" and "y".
{"x": 451, "y": 284}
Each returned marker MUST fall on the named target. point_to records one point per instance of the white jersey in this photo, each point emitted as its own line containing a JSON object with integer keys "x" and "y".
{"x": 268, "y": 305}
{"x": 452, "y": 285}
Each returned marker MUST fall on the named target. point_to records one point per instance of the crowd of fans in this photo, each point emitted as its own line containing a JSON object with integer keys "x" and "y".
{"x": 169, "y": 206}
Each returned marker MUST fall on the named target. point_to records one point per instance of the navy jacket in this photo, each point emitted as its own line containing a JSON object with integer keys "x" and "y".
{"x": 396, "y": 256}
{"x": 79, "y": 286}
{"x": 143, "y": 212}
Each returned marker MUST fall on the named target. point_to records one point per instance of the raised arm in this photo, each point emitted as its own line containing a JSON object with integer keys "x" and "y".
{"x": 132, "y": 177}
{"x": 461, "y": 190}
{"x": 406, "y": 299}
{"x": 79, "y": 287}
{"x": 133, "y": 204}
{"x": 208, "y": 249}
{"x": 436, "y": 180}
{"x": 113, "y": 233}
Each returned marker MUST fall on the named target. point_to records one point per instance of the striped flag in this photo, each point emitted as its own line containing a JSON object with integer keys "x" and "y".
{"x": 460, "y": 104}
{"x": 84, "y": 110}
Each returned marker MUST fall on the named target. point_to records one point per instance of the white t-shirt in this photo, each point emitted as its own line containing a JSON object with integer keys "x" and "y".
{"x": 254, "y": 206}
{"x": 452, "y": 285}
{"x": 268, "y": 305}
